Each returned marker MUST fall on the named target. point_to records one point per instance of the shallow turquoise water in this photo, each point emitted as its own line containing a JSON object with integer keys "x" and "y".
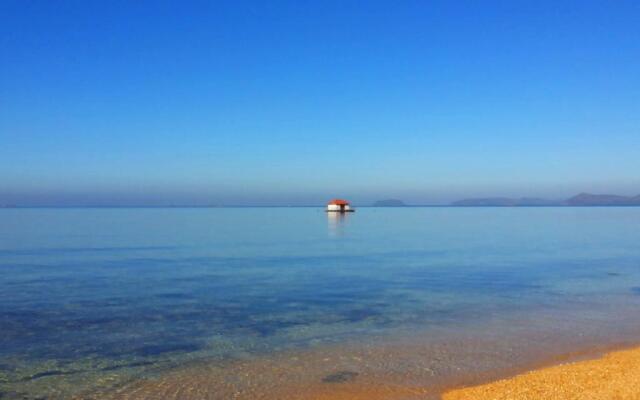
{"x": 97, "y": 290}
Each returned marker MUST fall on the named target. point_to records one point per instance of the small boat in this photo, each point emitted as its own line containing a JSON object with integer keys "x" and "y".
{"x": 339, "y": 205}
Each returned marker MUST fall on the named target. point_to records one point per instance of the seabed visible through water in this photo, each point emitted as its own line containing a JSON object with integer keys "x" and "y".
{"x": 292, "y": 304}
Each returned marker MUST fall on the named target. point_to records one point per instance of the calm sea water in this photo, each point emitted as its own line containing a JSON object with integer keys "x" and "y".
{"x": 86, "y": 293}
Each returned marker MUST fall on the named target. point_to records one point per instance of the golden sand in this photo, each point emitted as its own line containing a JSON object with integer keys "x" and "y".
{"x": 616, "y": 376}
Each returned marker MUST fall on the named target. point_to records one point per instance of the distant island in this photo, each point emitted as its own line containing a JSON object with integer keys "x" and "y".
{"x": 580, "y": 200}
{"x": 586, "y": 199}
{"x": 389, "y": 203}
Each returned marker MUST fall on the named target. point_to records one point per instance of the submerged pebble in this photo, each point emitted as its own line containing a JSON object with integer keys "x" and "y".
{"x": 340, "y": 377}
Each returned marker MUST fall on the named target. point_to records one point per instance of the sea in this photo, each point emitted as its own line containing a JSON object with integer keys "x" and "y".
{"x": 295, "y": 303}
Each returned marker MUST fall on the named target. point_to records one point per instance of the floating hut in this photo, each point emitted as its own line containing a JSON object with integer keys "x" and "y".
{"x": 339, "y": 205}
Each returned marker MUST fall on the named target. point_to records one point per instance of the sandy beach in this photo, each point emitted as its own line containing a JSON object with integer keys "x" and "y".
{"x": 616, "y": 375}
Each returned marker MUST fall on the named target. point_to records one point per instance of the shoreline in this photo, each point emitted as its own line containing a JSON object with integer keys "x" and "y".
{"x": 613, "y": 374}
{"x": 280, "y": 378}
{"x": 410, "y": 364}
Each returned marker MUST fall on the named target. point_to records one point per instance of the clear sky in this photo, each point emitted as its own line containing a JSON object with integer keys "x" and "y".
{"x": 294, "y": 102}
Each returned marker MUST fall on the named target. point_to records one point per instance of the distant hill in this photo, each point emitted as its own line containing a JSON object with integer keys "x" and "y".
{"x": 389, "y": 203}
{"x": 505, "y": 202}
{"x": 583, "y": 199}
{"x": 587, "y": 199}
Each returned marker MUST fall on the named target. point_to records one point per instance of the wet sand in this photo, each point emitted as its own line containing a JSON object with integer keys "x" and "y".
{"x": 616, "y": 375}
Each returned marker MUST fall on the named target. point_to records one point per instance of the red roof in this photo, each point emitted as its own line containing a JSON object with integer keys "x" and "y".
{"x": 339, "y": 202}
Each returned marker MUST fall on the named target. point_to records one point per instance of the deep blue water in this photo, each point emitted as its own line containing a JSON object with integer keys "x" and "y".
{"x": 102, "y": 289}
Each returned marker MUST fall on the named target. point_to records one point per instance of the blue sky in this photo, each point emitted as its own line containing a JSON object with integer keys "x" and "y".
{"x": 294, "y": 102}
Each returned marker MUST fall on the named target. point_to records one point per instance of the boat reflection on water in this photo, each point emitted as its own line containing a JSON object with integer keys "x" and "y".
{"x": 336, "y": 222}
